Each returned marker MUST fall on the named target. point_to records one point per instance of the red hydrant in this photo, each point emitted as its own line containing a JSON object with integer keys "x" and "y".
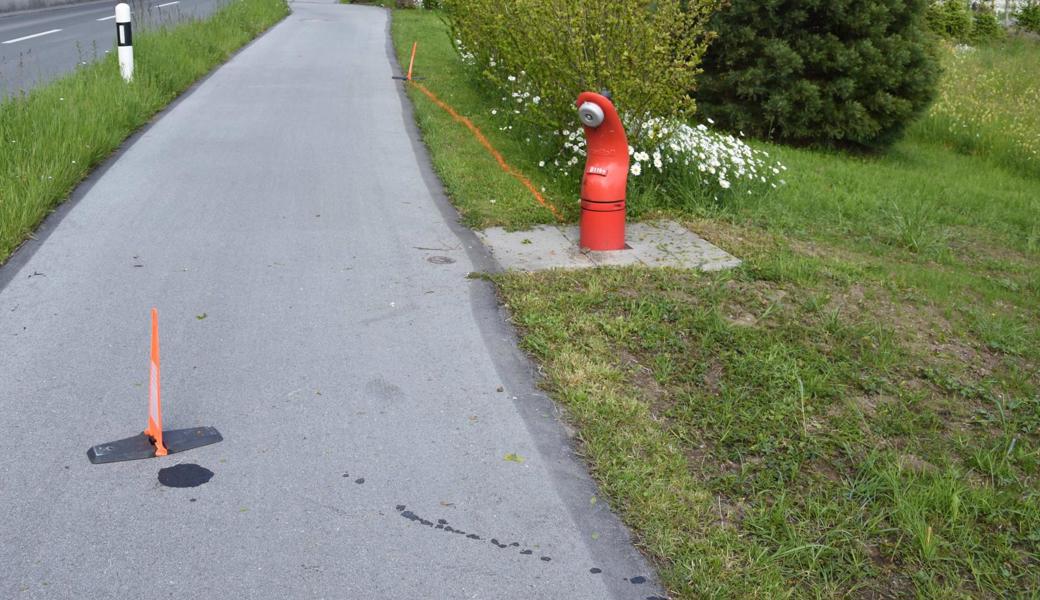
{"x": 606, "y": 174}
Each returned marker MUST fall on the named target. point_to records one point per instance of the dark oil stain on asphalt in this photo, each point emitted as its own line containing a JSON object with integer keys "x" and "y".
{"x": 442, "y": 525}
{"x": 359, "y": 480}
{"x": 440, "y": 260}
{"x": 184, "y": 475}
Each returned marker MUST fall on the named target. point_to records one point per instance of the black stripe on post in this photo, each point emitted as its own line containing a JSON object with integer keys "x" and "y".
{"x": 123, "y": 35}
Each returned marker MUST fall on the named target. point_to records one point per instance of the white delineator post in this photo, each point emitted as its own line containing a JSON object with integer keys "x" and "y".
{"x": 124, "y": 41}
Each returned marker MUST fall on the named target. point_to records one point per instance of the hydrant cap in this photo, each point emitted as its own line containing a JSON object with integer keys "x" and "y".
{"x": 591, "y": 114}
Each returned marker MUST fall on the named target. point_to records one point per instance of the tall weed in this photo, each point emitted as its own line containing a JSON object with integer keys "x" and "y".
{"x": 987, "y": 104}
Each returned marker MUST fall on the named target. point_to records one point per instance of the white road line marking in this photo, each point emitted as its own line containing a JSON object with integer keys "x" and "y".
{"x": 29, "y": 37}
{"x": 167, "y": 4}
{"x": 109, "y": 17}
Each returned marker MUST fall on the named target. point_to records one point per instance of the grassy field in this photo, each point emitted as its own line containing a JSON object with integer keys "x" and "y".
{"x": 54, "y": 135}
{"x": 988, "y": 103}
{"x": 853, "y": 412}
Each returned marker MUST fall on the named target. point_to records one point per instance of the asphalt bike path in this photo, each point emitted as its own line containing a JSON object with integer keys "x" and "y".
{"x": 383, "y": 435}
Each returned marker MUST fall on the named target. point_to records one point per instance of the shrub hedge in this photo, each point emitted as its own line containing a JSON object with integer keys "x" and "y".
{"x": 950, "y": 19}
{"x": 828, "y": 72}
{"x": 1028, "y": 17}
{"x": 646, "y": 52}
{"x": 954, "y": 20}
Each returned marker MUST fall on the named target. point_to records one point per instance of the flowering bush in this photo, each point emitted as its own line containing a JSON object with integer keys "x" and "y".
{"x": 536, "y": 101}
{"x": 664, "y": 148}
{"x": 670, "y": 146}
{"x": 646, "y": 52}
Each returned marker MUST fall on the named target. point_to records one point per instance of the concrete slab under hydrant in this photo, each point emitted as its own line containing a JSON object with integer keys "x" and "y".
{"x": 653, "y": 244}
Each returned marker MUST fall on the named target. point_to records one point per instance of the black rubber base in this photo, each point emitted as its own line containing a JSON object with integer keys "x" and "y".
{"x": 141, "y": 446}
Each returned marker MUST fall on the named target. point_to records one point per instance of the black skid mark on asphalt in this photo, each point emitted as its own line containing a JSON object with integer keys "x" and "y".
{"x": 443, "y": 525}
{"x": 184, "y": 476}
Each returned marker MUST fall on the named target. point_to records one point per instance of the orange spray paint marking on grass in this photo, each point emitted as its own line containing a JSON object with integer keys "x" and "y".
{"x": 487, "y": 145}
{"x": 154, "y": 429}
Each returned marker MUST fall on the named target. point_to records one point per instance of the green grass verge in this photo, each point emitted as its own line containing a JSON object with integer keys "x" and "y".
{"x": 53, "y": 136}
{"x": 855, "y": 411}
{"x": 484, "y": 194}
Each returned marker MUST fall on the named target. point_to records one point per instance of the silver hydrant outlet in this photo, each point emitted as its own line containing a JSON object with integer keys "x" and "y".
{"x": 591, "y": 114}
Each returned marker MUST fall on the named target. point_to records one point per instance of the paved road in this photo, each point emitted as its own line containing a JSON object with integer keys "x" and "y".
{"x": 315, "y": 307}
{"x": 41, "y": 45}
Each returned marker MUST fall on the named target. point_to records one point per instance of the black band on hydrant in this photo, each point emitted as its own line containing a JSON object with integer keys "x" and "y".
{"x": 597, "y": 206}
{"x": 123, "y": 35}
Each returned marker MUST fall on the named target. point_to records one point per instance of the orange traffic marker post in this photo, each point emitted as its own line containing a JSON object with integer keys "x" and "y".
{"x": 154, "y": 441}
{"x": 154, "y": 429}
{"x": 411, "y": 64}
